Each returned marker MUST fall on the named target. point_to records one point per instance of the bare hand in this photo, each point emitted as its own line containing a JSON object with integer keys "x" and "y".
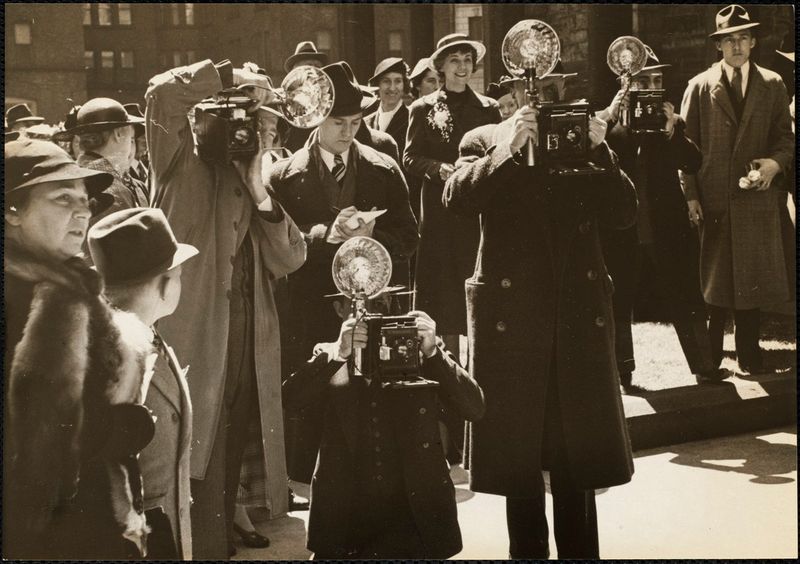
{"x": 445, "y": 170}
{"x": 523, "y": 127}
{"x": 597, "y": 131}
{"x": 251, "y": 174}
{"x": 695, "y": 212}
{"x": 259, "y": 87}
{"x": 617, "y": 106}
{"x": 768, "y": 168}
{"x": 672, "y": 118}
{"x": 345, "y": 232}
{"x": 426, "y": 329}
{"x": 352, "y": 335}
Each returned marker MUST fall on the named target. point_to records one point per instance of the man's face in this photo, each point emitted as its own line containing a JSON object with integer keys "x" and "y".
{"x": 336, "y": 134}
{"x": 141, "y": 147}
{"x": 391, "y": 88}
{"x": 308, "y": 63}
{"x": 735, "y": 47}
{"x": 648, "y": 80}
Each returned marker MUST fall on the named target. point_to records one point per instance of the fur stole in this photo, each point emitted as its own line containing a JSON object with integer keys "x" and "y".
{"x": 72, "y": 365}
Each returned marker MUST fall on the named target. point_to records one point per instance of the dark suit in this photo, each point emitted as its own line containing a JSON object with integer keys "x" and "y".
{"x": 378, "y": 140}
{"x": 382, "y": 488}
{"x": 397, "y": 128}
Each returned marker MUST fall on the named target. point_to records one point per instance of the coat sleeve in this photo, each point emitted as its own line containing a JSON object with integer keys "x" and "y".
{"x": 308, "y": 385}
{"x": 458, "y": 391}
{"x": 414, "y": 160}
{"x": 280, "y": 242}
{"x": 170, "y": 96}
{"x": 397, "y": 228}
{"x": 690, "y": 112}
{"x": 683, "y": 152}
{"x": 781, "y": 138}
{"x": 617, "y": 196}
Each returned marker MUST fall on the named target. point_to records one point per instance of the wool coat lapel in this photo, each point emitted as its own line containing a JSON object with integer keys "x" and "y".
{"x": 719, "y": 94}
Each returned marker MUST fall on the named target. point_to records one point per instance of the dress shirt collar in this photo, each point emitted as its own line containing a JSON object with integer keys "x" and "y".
{"x": 385, "y": 118}
{"x": 745, "y": 74}
{"x": 327, "y": 157}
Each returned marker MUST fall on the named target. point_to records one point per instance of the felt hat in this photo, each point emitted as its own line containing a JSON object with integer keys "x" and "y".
{"x": 349, "y": 96}
{"x": 392, "y": 64}
{"x": 135, "y": 244}
{"x": 497, "y": 90}
{"x": 457, "y": 39}
{"x": 70, "y": 121}
{"x": 102, "y": 114}
{"x": 652, "y": 61}
{"x": 731, "y": 19}
{"x": 422, "y": 66}
{"x": 21, "y": 113}
{"x": 305, "y": 50}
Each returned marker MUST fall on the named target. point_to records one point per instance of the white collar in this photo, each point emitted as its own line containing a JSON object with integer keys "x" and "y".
{"x": 327, "y": 157}
{"x": 729, "y": 72}
{"x": 390, "y": 113}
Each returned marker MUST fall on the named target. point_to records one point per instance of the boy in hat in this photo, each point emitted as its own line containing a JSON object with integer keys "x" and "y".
{"x": 323, "y": 186}
{"x": 392, "y": 116}
{"x": 136, "y": 253}
{"x": 19, "y": 117}
{"x": 381, "y": 487}
{"x": 738, "y": 115}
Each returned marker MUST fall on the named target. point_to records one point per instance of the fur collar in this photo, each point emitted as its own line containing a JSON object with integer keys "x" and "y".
{"x": 73, "y": 274}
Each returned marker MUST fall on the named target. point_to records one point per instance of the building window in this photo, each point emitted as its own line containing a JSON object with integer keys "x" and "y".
{"x": 191, "y": 57}
{"x": 88, "y": 60}
{"x": 324, "y": 40}
{"x": 177, "y": 59}
{"x": 87, "y": 13}
{"x": 395, "y": 43}
{"x": 126, "y": 59}
{"x": 175, "y": 13}
{"x": 124, "y": 14}
{"x": 189, "y": 12}
{"x": 105, "y": 73}
{"x": 476, "y": 28}
{"x": 22, "y": 33}
{"x": 104, "y": 14}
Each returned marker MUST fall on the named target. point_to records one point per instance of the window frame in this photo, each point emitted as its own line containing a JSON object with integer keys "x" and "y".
{"x": 20, "y": 25}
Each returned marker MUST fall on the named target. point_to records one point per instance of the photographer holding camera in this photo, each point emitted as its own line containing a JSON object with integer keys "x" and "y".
{"x": 226, "y": 327}
{"x": 541, "y": 330}
{"x": 662, "y": 240}
{"x": 381, "y": 488}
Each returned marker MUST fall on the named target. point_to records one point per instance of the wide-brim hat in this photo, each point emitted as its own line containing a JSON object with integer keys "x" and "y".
{"x": 455, "y": 39}
{"x": 21, "y": 113}
{"x": 652, "y": 61}
{"x": 496, "y": 90}
{"x": 134, "y": 244}
{"x": 391, "y": 64}
{"x": 101, "y": 114}
{"x": 305, "y": 50}
{"x": 731, "y": 19}
{"x": 422, "y": 66}
{"x": 350, "y": 97}
{"x": 506, "y": 81}
{"x": 29, "y": 162}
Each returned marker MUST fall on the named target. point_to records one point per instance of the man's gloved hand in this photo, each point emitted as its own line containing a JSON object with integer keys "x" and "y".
{"x": 597, "y": 131}
{"x": 352, "y": 335}
{"x": 341, "y": 231}
{"x": 257, "y": 86}
{"x": 426, "y": 330}
{"x": 250, "y": 173}
{"x": 618, "y": 105}
{"x": 523, "y": 127}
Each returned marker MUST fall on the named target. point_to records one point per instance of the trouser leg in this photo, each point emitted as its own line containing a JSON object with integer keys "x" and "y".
{"x": 717, "y": 317}
{"x": 574, "y": 518}
{"x": 747, "y": 323}
{"x": 528, "y": 534}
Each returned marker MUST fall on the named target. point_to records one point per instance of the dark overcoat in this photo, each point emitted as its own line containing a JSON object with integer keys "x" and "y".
{"x": 541, "y": 294}
{"x": 425, "y": 473}
{"x": 397, "y": 128}
{"x": 742, "y": 262}
{"x": 378, "y": 140}
{"x": 448, "y": 243}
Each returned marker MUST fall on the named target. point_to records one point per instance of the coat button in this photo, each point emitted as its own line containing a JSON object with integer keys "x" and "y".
{"x": 238, "y": 192}
{"x": 377, "y": 449}
{"x": 379, "y": 477}
{"x": 591, "y": 275}
{"x": 505, "y": 283}
{"x": 501, "y": 326}
{"x": 378, "y": 463}
{"x": 600, "y": 321}
{"x": 374, "y": 419}
{"x": 728, "y": 123}
{"x": 422, "y": 411}
{"x": 425, "y": 445}
{"x": 377, "y": 434}
{"x": 175, "y": 417}
{"x": 585, "y": 227}
{"x": 373, "y": 404}
{"x": 236, "y": 226}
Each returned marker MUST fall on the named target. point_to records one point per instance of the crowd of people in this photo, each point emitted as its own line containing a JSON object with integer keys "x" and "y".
{"x": 176, "y": 349}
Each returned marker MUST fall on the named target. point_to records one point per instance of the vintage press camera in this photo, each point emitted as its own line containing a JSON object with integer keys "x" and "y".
{"x": 564, "y": 139}
{"x": 646, "y": 111}
{"x": 225, "y": 132}
{"x": 392, "y": 355}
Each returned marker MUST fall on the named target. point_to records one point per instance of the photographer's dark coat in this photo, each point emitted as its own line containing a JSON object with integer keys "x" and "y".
{"x": 541, "y": 294}
{"x": 448, "y": 243}
{"x": 397, "y": 128}
{"x": 424, "y": 470}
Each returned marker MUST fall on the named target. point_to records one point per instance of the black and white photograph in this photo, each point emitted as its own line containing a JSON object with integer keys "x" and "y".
{"x": 399, "y": 281}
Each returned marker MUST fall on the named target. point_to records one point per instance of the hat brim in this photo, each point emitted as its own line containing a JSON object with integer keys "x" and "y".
{"x": 96, "y": 181}
{"x": 560, "y": 75}
{"x": 31, "y": 119}
{"x": 321, "y": 57}
{"x": 103, "y": 126}
{"x": 480, "y": 50}
{"x": 734, "y": 29}
{"x": 366, "y": 105}
{"x": 654, "y": 67}
{"x": 399, "y": 66}
{"x": 183, "y": 253}
{"x": 394, "y": 290}
{"x": 789, "y": 56}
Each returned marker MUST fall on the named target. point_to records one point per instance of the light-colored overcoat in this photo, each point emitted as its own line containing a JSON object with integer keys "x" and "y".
{"x": 209, "y": 207}
{"x": 742, "y": 263}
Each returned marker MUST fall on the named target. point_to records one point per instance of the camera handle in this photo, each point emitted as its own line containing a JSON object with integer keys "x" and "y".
{"x": 532, "y": 95}
{"x": 625, "y": 81}
{"x": 359, "y": 310}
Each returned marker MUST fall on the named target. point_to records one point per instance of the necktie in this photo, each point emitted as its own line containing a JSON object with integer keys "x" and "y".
{"x": 736, "y": 84}
{"x": 338, "y": 168}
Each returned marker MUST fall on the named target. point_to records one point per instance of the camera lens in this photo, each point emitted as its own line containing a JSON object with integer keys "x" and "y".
{"x": 574, "y": 135}
{"x": 242, "y": 136}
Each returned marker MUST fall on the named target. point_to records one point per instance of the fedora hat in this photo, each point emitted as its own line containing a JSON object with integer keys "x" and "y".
{"x": 497, "y": 90}
{"x": 506, "y": 81}
{"x": 422, "y": 66}
{"x": 392, "y": 64}
{"x": 305, "y": 50}
{"x": 454, "y": 40}
{"x": 731, "y": 19}
{"x": 135, "y": 244}
{"x": 101, "y": 114}
{"x": 349, "y": 96}
{"x": 21, "y": 113}
{"x": 652, "y": 61}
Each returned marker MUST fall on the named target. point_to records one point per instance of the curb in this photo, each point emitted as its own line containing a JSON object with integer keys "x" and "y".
{"x": 691, "y": 413}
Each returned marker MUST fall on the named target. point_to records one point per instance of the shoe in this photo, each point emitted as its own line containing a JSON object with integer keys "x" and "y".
{"x": 753, "y": 368}
{"x": 632, "y": 390}
{"x": 297, "y": 503}
{"x": 713, "y": 376}
{"x": 251, "y": 539}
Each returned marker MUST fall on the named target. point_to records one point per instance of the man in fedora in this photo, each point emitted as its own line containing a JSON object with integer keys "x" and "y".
{"x": 19, "y": 117}
{"x": 323, "y": 186}
{"x": 305, "y": 53}
{"x": 738, "y": 115}
{"x": 106, "y": 132}
{"x": 661, "y": 242}
{"x": 140, "y": 260}
{"x": 391, "y": 80}
{"x": 227, "y": 325}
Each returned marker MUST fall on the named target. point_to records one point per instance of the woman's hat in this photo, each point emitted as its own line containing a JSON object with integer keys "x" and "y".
{"x": 497, "y": 90}
{"x": 21, "y": 113}
{"x": 350, "y": 97}
{"x": 506, "y": 81}
{"x": 392, "y": 64}
{"x": 135, "y": 244}
{"x": 422, "y": 66}
{"x": 101, "y": 114}
{"x": 731, "y": 19}
{"x": 32, "y": 161}
{"x": 70, "y": 121}
{"x": 305, "y": 50}
{"x": 455, "y": 39}
{"x": 652, "y": 61}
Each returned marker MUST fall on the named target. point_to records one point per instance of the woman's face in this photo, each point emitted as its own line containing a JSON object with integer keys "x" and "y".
{"x": 457, "y": 69}
{"x": 54, "y": 221}
{"x": 429, "y": 83}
